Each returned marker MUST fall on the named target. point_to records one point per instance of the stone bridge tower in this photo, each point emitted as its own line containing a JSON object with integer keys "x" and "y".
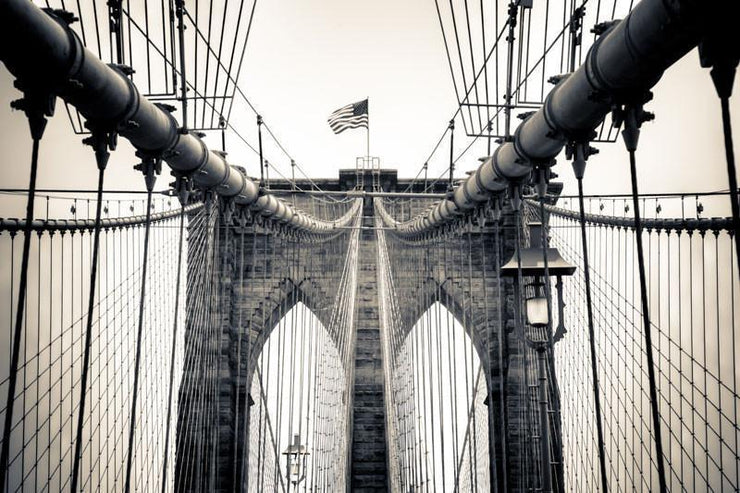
{"x": 270, "y": 290}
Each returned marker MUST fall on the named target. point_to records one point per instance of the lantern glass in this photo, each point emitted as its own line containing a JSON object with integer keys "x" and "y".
{"x": 537, "y": 311}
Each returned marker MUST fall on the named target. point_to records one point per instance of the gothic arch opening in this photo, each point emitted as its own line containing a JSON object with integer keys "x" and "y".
{"x": 443, "y": 420}
{"x": 298, "y": 405}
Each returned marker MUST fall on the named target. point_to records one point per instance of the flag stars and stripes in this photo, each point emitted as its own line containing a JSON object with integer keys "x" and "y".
{"x": 353, "y": 115}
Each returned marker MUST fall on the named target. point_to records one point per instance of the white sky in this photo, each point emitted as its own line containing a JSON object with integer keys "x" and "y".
{"x": 307, "y": 58}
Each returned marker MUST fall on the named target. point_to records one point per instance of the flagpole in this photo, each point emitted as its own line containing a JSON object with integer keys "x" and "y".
{"x": 368, "y": 128}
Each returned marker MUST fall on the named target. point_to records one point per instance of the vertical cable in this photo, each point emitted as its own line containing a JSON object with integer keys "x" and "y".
{"x": 179, "y": 12}
{"x": 501, "y": 339}
{"x": 511, "y": 22}
{"x": 438, "y": 354}
{"x": 236, "y": 465}
{"x": 174, "y": 348}
{"x": 280, "y": 347}
{"x": 452, "y": 149}
{"x": 731, "y": 173}
{"x": 259, "y": 141}
{"x": 22, "y": 288}
{"x": 222, "y": 249}
{"x": 592, "y": 339}
{"x": 646, "y": 323}
{"x": 101, "y": 155}
{"x": 492, "y": 436}
{"x": 247, "y": 373}
{"x": 544, "y": 421}
{"x": 149, "y": 170}
{"x": 719, "y": 51}
{"x": 524, "y": 456}
{"x": 451, "y": 350}
{"x": 474, "y": 379}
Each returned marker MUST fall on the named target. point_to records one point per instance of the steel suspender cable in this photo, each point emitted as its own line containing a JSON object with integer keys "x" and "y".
{"x": 37, "y": 122}
{"x": 265, "y": 364}
{"x": 633, "y": 118}
{"x": 311, "y": 409}
{"x": 544, "y": 421}
{"x": 225, "y": 224}
{"x": 207, "y": 435}
{"x": 149, "y": 169}
{"x": 492, "y": 437}
{"x": 174, "y": 348}
{"x": 281, "y": 363}
{"x": 179, "y": 11}
{"x": 591, "y": 340}
{"x": 302, "y": 327}
{"x": 244, "y": 461}
{"x": 50, "y": 328}
{"x": 260, "y": 424}
{"x": 428, "y": 337}
{"x": 259, "y": 141}
{"x": 433, "y": 319}
{"x": 197, "y": 268}
{"x": 524, "y": 388}
{"x": 419, "y": 442}
{"x": 467, "y": 325}
{"x": 719, "y": 51}
{"x": 452, "y": 351}
{"x": 731, "y": 173}
{"x": 501, "y": 339}
{"x": 452, "y": 149}
{"x": 313, "y": 373}
{"x": 99, "y": 141}
{"x": 454, "y": 262}
{"x": 419, "y": 342}
{"x": 473, "y": 378}
{"x": 291, "y": 391}
{"x": 236, "y": 464}
{"x": 421, "y": 432}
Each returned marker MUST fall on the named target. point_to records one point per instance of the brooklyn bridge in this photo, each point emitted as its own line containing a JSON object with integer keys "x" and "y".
{"x": 547, "y": 305}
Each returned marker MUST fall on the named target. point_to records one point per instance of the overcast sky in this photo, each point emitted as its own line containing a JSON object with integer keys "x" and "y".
{"x": 306, "y": 58}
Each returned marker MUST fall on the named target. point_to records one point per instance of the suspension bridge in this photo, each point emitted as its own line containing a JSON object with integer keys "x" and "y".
{"x": 366, "y": 332}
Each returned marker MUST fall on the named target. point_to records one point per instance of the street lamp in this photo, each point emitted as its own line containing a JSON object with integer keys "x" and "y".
{"x": 530, "y": 262}
{"x": 296, "y": 455}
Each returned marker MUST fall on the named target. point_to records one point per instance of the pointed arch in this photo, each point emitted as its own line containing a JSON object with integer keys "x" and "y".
{"x": 445, "y": 376}
{"x": 297, "y": 384}
{"x": 277, "y": 305}
{"x": 472, "y": 322}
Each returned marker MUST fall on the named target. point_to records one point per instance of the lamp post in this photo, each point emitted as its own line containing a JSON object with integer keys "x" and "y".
{"x": 538, "y": 317}
{"x": 296, "y": 455}
{"x": 530, "y": 262}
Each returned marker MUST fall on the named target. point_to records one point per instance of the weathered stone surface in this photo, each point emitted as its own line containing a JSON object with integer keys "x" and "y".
{"x": 248, "y": 303}
{"x": 369, "y": 469}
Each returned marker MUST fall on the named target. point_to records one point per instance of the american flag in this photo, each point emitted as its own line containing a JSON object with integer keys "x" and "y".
{"x": 351, "y": 116}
